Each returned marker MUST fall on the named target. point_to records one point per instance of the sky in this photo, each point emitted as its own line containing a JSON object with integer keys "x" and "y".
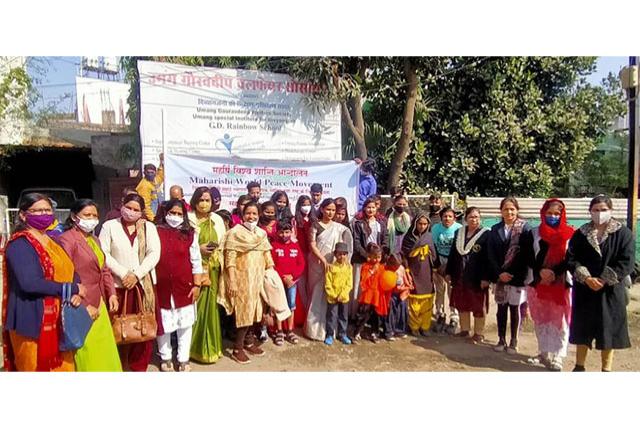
{"x": 57, "y": 78}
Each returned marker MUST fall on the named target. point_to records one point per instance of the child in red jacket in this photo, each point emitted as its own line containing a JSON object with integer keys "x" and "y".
{"x": 289, "y": 263}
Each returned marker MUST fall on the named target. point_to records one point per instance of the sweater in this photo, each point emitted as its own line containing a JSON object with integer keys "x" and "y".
{"x": 288, "y": 259}
{"x": 338, "y": 283}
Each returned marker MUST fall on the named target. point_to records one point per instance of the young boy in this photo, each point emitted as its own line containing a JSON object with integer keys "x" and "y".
{"x": 338, "y": 284}
{"x": 289, "y": 263}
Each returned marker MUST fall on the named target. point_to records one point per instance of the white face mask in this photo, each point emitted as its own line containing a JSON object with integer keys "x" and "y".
{"x": 306, "y": 209}
{"x": 87, "y": 225}
{"x": 251, "y": 225}
{"x": 174, "y": 220}
{"x": 601, "y": 217}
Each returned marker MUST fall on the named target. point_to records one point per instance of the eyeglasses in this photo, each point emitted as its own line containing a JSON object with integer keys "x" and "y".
{"x": 41, "y": 211}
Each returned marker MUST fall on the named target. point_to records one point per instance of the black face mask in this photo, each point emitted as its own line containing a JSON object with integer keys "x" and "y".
{"x": 268, "y": 218}
{"x": 255, "y": 199}
{"x": 398, "y": 210}
{"x": 434, "y": 208}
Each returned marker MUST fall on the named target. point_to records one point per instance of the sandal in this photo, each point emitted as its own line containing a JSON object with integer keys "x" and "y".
{"x": 278, "y": 339}
{"x": 292, "y": 338}
{"x": 184, "y": 367}
{"x": 166, "y": 366}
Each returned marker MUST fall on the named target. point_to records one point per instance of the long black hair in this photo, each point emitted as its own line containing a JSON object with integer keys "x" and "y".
{"x": 197, "y": 194}
{"x": 325, "y": 203}
{"x": 26, "y": 202}
{"x": 76, "y": 207}
{"x": 285, "y": 214}
{"x": 299, "y": 214}
{"x": 165, "y": 207}
{"x": 241, "y": 201}
{"x": 365, "y": 221}
{"x": 136, "y": 198}
{"x": 262, "y": 219}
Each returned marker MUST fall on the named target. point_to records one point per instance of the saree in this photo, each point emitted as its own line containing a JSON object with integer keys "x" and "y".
{"x": 206, "y": 342}
{"x": 326, "y": 236}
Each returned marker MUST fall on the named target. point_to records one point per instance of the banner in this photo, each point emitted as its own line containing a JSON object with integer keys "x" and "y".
{"x": 231, "y": 177}
{"x": 227, "y": 112}
{"x": 102, "y": 102}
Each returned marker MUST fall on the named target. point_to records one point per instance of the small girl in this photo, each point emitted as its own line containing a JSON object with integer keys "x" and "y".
{"x": 236, "y": 214}
{"x": 283, "y": 210}
{"x": 398, "y": 309}
{"x": 179, "y": 275}
{"x": 371, "y": 293}
{"x": 268, "y": 221}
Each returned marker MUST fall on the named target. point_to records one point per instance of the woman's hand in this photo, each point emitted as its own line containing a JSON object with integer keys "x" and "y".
{"x": 205, "y": 281}
{"x": 594, "y": 283}
{"x": 194, "y": 293}
{"x": 505, "y": 277}
{"x": 232, "y": 290}
{"x": 94, "y": 313}
{"x": 75, "y": 300}
{"x": 484, "y": 284}
{"x": 547, "y": 276}
{"x": 82, "y": 290}
{"x": 129, "y": 281}
{"x": 114, "y": 304}
{"x": 205, "y": 250}
{"x": 325, "y": 264}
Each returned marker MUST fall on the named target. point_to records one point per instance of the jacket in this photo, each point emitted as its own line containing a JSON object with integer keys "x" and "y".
{"x": 360, "y": 240}
{"x": 338, "y": 283}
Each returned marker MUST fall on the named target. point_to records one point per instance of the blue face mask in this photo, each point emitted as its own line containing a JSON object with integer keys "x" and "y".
{"x": 552, "y": 220}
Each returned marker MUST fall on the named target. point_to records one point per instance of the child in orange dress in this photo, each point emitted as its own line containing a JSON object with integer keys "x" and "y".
{"x": 372, "y": 296}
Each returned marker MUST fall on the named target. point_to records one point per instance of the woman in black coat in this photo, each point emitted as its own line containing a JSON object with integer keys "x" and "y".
{"x": 601, "y": 256}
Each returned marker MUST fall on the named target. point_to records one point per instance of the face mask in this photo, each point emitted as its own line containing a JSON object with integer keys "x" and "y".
{"x": 174, "y": 220}
{"x": 150, "y": 176}
{"x": 204, "y": 207}
{"x": 255, "y": 199}
{"x": 251, "y": 225}
{"x": 40, "y": 221}
{"x": 268, "y": 217}
{"x": 305, "y": 209}
{"x": 129, "y": 215}
{"x": 87, "y": 225}
{"x": 434, "y": 208}
{"x": 399, "y": 210}
{"x": 601, "y": 217}
{"x": 552, "y": 220}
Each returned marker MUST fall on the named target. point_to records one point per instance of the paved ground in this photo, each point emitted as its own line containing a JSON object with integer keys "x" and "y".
{"x": 439, "y": 353}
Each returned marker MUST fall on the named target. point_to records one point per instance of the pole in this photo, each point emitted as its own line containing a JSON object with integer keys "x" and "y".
{"x": 164, "y": 151}
{"x": 634, "y": 157}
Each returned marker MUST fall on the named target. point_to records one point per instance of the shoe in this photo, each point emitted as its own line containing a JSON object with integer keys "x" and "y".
{"x": 463, "y": 334}
{"x": 374, "y": 338}
{"x": 240, "y": 357}
{"x": 166, "y": 366}
{"x": 539, "y": 359}
{"x": 425, "y": 333}
{"x": 416, "y": 333}
{"x": 477, "y": 339}
{"x": 291, "y": 338}
{"x": 440, "y": 324}
{"x": 254, "y": 350}
{"x": 501, "y": 346}
{"x": 452, "y": 327}
{"x": 513, "y": 347}
{"x": 401, "y": 335}
{"x": 390, "y": 338}
{"x": 264, "y": 336}
{"x": 184, "y": 367}
{"x": 328, "y": 340}
{"x": 345, "y": 340}
{"x": 278, "y": 338}
{"x": 357, "y": 338}
{"x": 555, "y": 366}
{"x": 579, "y": 368}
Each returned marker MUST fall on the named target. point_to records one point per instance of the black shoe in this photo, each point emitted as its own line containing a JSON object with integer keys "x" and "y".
{"x": 578, "y": 368}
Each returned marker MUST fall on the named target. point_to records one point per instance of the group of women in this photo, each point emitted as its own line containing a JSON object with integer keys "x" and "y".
{"x": 202, "y": 272}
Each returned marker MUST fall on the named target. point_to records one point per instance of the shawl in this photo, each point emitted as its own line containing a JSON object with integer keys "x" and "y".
{"x": 463, "y": 249}
{"x": 397, "y": 224}
{"x": 414, "y": 244}
{"x": 148, "y": 300}
{"x": 514, "y": 243}
{"x": 48, "y": 356}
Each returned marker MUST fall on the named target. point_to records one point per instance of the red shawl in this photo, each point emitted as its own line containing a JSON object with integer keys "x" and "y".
{"x": 556, "y": 238}
{"x": 48, "y": 352}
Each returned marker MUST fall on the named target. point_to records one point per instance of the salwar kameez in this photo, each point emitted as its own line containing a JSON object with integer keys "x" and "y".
{"x": 99, "y": 352}
{"x": 420, "y": 312}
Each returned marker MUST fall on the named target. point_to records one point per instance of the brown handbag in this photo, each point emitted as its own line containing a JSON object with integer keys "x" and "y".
{"x": 134, "y": 328}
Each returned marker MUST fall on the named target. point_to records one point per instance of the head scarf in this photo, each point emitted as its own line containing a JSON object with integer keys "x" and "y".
{"x": 555, "y": 237}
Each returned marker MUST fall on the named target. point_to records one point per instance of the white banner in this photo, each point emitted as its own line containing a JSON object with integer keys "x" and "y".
{"x": 231, "y": 177}
{"x": 227, "y": 112}
{"x": 102, "y": 102}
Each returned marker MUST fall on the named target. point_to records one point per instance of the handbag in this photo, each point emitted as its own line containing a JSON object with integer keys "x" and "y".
{"x": 76, "y": 322}
{"x": 134, "y": 328}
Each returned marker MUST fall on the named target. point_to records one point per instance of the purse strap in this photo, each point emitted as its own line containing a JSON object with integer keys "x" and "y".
{"x": 66, "y": 293}
{"x": 138, "y": 297}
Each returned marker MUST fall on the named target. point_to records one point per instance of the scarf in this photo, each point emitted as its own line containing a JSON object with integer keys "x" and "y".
{"x": 48, "y": 357}
{"x": 242, "y": 240}
{"x": 417, "y": 245}
{"x": 463, "y": 249}
{"x": 397, "y": 224}
{"x": 514, "y": 243}
{"x": 148, "y": 299}
{"x": 556, "y": 239}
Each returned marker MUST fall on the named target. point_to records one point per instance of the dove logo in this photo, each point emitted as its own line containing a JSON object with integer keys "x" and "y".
{"x": 226, "y": 141}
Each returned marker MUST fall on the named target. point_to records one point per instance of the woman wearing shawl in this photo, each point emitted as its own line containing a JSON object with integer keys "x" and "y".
{"x": 601, "y": 257}
{"x": 325, "y": 234}
{"x": 206, "y": 343}
{"x": 131, "y": 247}
{"x": 548, "y": 295}
{"x": 467, "y": 260}
{"x": 507, "y": 268}
{"x": 422, "y": 259}
{"x": 35, "y": 271}
{"x": 247, "y": 254}
{"x": 398, "y": 223}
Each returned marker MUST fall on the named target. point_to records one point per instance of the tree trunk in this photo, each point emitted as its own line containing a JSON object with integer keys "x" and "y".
{"x": 404, "y": 144}
{"x": 352, "y": 113}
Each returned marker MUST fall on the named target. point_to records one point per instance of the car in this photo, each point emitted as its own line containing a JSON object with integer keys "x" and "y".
{"x": 62, "y": 196}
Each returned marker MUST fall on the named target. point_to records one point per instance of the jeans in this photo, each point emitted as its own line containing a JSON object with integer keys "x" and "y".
{"x": 341, "y": 312}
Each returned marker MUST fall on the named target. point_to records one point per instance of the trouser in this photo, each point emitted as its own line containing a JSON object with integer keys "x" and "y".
{"x": 366, "y": 312}
{"x": 606, "y": 356}
{"x": 244, "y": 337}
{"x": 184, "y": 345}
{"x": 420, "y": 311}
{"x": 337, "y": 314}
{"x": 443, "y": 289}
{"x": 504, "y": 309}
{"x": 478, "y": 323}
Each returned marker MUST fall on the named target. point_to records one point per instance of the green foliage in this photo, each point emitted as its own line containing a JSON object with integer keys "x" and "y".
{"x": 503, "y": 125}
{"x": 606, "y": 168}
{"x": 15, "y": 85}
